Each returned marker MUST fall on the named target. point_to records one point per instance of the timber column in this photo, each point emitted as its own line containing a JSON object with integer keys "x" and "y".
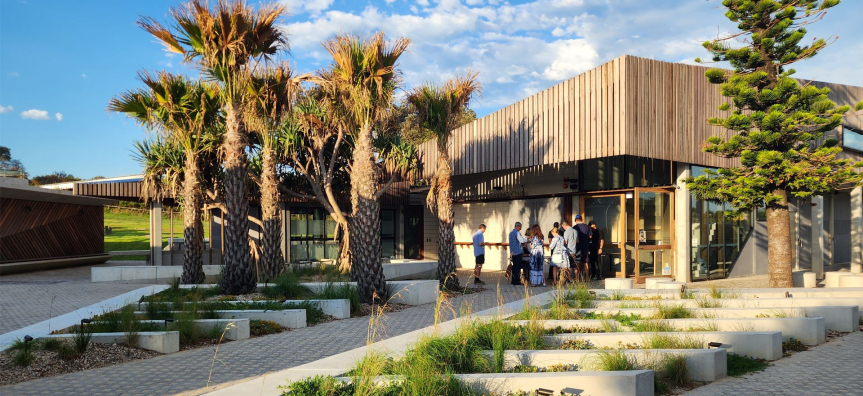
{"x": 156, "y": 233}
{"x": 682, "y": 226}
{"x": 857, "y": 230}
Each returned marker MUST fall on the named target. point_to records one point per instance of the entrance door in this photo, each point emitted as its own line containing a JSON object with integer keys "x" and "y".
{"x": 650, "y": 232}
{"x": 605, "y": 210}
{"x": 413, "y": 232}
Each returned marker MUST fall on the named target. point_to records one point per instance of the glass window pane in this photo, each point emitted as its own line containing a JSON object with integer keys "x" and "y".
{"x": 655, "y": 218}
{"x": 852, "y": 139}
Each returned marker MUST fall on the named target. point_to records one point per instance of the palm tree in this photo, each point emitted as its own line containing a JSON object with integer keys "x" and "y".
{"x": 223, "y": 42}
{"x": 187, "y": 114}
{"x": 440, "y": 109}
{"x": 272, "y": 92}
{"x": 362, "y": 81}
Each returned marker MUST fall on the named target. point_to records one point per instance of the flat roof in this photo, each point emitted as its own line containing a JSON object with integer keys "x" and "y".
{"x": 30, "y": 193}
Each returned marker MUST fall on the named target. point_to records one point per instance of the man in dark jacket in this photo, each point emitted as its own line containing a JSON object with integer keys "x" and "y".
{"x": 582, "y": 245}
{"x": 597, "y": 242}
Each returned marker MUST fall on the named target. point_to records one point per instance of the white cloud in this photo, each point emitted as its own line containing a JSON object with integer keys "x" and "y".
{"x": 314, "y": 7}
{"x": 83, "y": 75}
{"x": 5, "y": 109}
{"x": 572, "y": 57}
{"x": 58, "y": 116}
{"x": 13, "y": 74}
{"x": 34, "y": 114}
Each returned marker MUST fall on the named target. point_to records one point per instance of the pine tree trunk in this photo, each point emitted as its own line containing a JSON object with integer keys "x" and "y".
{"x": 446, "y": 249}
{"x": 238, "y": 276}
{"x": 779, "y": 244}
{"x": 272, "y": 262}
{"x": 365, "y": 222}
{"x": 193, "y": 237}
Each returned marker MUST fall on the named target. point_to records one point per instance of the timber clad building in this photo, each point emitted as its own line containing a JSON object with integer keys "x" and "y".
{"x": 612, "y": 144}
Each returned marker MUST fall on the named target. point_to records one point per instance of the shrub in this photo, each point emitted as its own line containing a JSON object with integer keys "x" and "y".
{"x": 671, "y": 372}
{"x": 66, "y": 352}
{"x": 579, "y": 296}
{"x": 285, "y": 286}
{"x": 673, "y": 312}
{"x": 318, "y": 385}
{"x": 24, "y": 355}
{"x": 259, "y": 328}
{"x": 739, "y": 365}
{"x": 51, "y": 344}
{"x": 314, "y": 315}
{"x": 578, "y": 344}
{"x": 346, "y": 291}
{"x": 794, "y": 345}
{"x": 130, "y": 325}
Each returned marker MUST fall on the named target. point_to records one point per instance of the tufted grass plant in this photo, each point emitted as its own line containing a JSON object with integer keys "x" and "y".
{"x": 672, "y": 341}
{"x": 612, "y": 360}
{"x": 653, "y": 326}
{"x": 673, "y": 311}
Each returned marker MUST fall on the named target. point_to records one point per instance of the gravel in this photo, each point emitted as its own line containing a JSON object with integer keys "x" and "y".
{"x": 48, "y": 364}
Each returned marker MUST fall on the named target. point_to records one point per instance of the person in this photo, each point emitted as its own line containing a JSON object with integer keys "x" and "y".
{"x": 558, "y": 249}
{"x": 554, "y": 227}
{"x": 570, "y": 238}
{"x": 597, "y": 242}
{"x": 582, "y": 246}
{"x": 516, "y": 249}
{"x": 478, "y": 253}
{"x": 537, "y": 256}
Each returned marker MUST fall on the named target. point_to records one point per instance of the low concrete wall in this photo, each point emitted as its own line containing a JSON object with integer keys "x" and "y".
{"x": 650, "y": 283}
{"x": 337, "y": 308}
{"x": 836, "y": 318}
{"x": 235, "y": 329}
{"x": 410, "y": 269}
{"x": 145, "y": 273}
{"x": 831, "y": 278}
{"x": 851, "y": 281}
{"x": 810, "y": 331}
{"x": 290, "y": 318}
{"x": 48, "y": 264}
{"x": 416, "y": 292}
{"x": 744, "y": 293}
{"x": 158, "y": 341}
{"x": 703, "y": 364}
{"x": 619, "y": 283}
{"x": 606, "y": 383}
{"x": 757, "y": 344}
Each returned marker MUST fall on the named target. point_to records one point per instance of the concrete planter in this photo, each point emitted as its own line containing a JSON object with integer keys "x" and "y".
{"x": 337, "y": 308}
{"x": 804, "y": 279}
{"x": 650, "y": 283}
{"x": 619, "y": 283}
{"x": 831, "y": 278}
{"x": 606, "y": 383}
{"x": 704, "y": 364}
{"x": 810, "y": 331}
{"x": 839, "y": 318}
{"x": 145, "y": 273}
{"x": 238, "y": 329}
{"x": 675, "y": 286}
{"x": 757, "y": 344}
{"x": 290, "y": 318}
{"x": 851, "y": 281}
{"x": 746, "y": 293}
{"x": 158, "y": 341}
{"x": 416, "y": 292}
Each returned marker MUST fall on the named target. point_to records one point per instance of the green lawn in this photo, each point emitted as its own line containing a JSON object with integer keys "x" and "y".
{"x": 131, "y": 231}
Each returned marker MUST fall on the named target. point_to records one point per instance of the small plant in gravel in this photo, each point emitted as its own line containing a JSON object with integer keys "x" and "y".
{"x": 51, "y": 344}
{"x": 739, "y": 365}
{"x": 24, "y": 356}
{"x": 576, "y": 344}
{"x": 259, "y": 328}
{"x": 793, "y": 345}
{"x": 82, "y": 339}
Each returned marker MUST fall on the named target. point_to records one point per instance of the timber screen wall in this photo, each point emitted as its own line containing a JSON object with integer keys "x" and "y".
{"x": 35, "y": 230}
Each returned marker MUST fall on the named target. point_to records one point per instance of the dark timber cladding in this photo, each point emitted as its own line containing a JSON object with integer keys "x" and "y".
{"x": 42, "y": 225}
{"x": 628, "y": 106}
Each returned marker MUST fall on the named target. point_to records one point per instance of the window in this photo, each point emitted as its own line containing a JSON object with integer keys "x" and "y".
{"x": 716, "y": 238}
{"x": 388, "y": 233}
{"x": 312, "y": 235}
{"x": 852, "y": 138}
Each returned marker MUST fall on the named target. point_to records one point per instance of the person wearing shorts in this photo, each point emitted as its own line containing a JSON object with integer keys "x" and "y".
{"x": 478, "y": 253}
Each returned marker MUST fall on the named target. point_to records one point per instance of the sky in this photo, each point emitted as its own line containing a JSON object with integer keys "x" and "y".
{"x": 62, "y": 61}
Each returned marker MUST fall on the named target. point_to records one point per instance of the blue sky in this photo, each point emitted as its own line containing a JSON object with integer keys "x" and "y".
{"x": 61, "y": 61}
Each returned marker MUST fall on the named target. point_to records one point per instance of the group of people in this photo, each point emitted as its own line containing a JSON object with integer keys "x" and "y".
{"x": 574, "y": 250}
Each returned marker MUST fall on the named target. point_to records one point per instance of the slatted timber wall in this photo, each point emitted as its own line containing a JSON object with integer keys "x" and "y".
{"x": 33, "y": 230}
{"x": 628, "y": 106}
{"x": 118, "y": 190}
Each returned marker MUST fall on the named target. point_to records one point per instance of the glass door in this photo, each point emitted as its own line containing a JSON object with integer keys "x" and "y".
{"x": 606, "y": 211}
{"x": 651, "y": 237}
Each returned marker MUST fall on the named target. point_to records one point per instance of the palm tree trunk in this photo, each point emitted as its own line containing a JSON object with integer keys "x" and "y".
{"x": 446, "y": 250}
{"x": 237, "y": 276}
{"x": 345, "y": 249}
{"x": 365, "y": 223}
{"x": 779, "y": 244}
{"x": 193, "y": 236}
{"x": 272, "y": 262}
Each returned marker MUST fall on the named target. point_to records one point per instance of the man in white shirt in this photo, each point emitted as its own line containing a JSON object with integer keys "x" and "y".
{"x": 516, "y": 249}
{"x": 478, "y": 253}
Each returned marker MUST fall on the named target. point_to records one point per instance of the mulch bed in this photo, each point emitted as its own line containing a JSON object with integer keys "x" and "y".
{"x": 48, "y": 364}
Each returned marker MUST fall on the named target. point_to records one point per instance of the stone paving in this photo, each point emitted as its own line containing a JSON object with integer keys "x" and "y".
{"x": 32, "y": 297}
{"x": 830, "y": 369}
{"x": 187, "y": 372}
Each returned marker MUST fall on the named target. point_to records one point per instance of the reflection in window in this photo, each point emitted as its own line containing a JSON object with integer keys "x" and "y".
{"x": 852, "y": 139}
{"x": 716, "y": 238}
{"x": 312, "y": 235}
{"x": 388, "y": 233}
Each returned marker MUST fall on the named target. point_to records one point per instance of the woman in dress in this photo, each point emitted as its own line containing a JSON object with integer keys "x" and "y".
{"x": 537, "y": 256}
{"x": 558, "y": 249}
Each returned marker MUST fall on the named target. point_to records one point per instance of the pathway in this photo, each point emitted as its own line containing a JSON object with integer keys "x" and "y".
{"x": 829, "y": 369}
{"x": 187, "y": 372}
{"x": 32, "y": 297}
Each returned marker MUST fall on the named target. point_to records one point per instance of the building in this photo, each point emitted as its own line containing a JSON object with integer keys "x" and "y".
{"x": 614, "y": 144}
{"x": 44, "y": 229}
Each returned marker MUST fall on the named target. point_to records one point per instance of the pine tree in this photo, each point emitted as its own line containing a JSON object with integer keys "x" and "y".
{"x": 775, "y": 121}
